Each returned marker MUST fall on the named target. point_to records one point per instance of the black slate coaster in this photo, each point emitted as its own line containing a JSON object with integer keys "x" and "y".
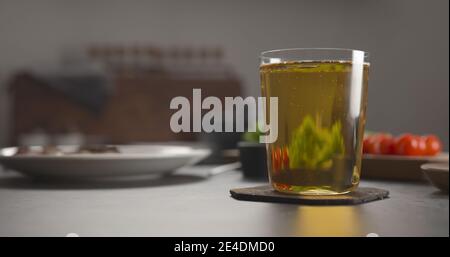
{"x": 268, "y": 194}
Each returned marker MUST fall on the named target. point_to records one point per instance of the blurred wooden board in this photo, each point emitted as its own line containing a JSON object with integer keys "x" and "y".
{"x": 394, "y": 167}
{"x": 267, "y": 194}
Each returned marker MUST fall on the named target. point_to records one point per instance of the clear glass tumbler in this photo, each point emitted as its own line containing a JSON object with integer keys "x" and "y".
{"x": 322, "y": 99}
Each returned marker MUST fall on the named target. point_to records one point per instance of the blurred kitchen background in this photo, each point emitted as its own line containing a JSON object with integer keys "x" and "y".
{"x": 105, "y": 71}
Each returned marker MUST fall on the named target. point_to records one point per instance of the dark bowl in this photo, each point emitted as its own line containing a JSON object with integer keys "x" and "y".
{"x": 437, "y": 174}
{"x": 253, "y": 159}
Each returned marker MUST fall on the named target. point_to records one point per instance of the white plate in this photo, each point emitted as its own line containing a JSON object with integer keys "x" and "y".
{"x": 133, "y": 160}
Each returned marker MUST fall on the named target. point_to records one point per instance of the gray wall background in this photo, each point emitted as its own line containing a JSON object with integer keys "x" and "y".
{"x": 408, "y": 41}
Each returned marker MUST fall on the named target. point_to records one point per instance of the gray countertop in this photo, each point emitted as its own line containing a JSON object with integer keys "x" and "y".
{"x": 189, "y": 205}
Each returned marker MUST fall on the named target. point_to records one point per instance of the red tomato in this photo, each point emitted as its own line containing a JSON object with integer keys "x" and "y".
{"x": 433, "y": 145}
{"x": 366, "y": 143}
{"x": 276, "y": 159}
{"x": 407, "y": 144}
{"x": 422, "y": 147}
{"x": 370, "y": 145}
{"x": 386, "y": 144}
{"x": 378, "y": 144}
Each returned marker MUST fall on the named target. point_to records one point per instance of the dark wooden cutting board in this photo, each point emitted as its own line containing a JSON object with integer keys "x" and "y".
{"x": 400, "y": 168}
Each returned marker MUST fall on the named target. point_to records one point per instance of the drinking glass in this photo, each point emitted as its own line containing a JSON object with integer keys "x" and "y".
{"x": 322, "y": 99}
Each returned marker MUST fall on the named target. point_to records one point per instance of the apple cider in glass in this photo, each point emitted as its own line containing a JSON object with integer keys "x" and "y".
{"x": 321, "y": 117}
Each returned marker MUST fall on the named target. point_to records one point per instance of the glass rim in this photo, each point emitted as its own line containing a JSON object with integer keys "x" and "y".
{"x": 263, "y": 55}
